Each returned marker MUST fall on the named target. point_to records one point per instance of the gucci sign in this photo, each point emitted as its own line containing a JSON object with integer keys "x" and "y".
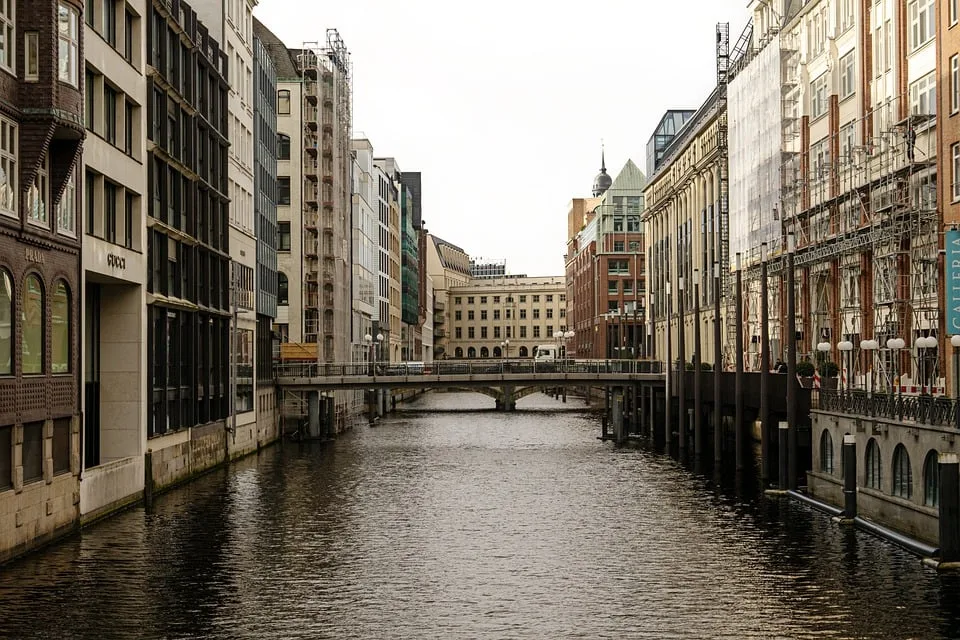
{"x": 114, "y": 260}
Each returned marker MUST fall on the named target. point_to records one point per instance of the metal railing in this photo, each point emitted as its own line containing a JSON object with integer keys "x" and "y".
{"x": 917, "y": 409}
{"x": 466, "y": 368}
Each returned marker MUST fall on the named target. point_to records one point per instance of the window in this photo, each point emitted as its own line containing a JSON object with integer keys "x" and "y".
{"x": 923, "y": 25}
{"x": 129, "y": 20}
{"x": 483, "y": 299}
{"x": 67, "y": 20}
{"x": 7, "y": 35}
{"x": 457, "y": 300}
{"x": 60, "y": 318}
{"x": 523, "y": 331}
{"x": 848, "y": 75}
{"x": 483, "y": 314}
{"x": 283, "y": 288}
{"x": 8, "y": 166}
{"x": 931, "y": 478}
{"x": 523, "y": 298}
{"x": 818, "y": 96}
{"x": 67, "y": 207}
{"x": 6, "y": 325}
{"x": 31, "y": 56}
{"x": 32, "y": 452}
{"x": 283, "y": 147}
{"x": 37, "y": 197}
{"x": 902, "y": 473}
{"x": 129, "y": 123}
{"x": 483, "y": 332}
{"x": 826, "y": 452}
{"x": 923, "y": 95}
{"x": 110, "y": 114}
{"x": 6, "y": 453}
{"x": 109, "y": 26}
{"x": 283, "y": 236}
{"x": 820, "y": 159}
{"x": 32, "y": 323}
{"x": 470, "y": 315}
{"x": 471, "y": 334}
{"x": 613, "y": 287}
{"x": 618, "y": 246}
{"x": 129, "y": 206}
{"x": 955, "y": 179}
{"x": 283, "y": 102}
{"x": 846, "y": 14}
{"x": 496, "y": 314}
{"x": 523, "y": 314}
{"x": 953, "y": 12}
{"x": 283, "y": 190}
{"x": 954, "y": 84}
{"x": 872, "y": 471}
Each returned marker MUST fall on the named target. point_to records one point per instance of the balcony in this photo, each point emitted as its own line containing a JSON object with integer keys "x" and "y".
{"x": 310, "y": 193}
{"x": 310, "y": 116}
{"x": 310, "y": 91}
{"x": 439, "y": 318}
{"x": 439, "y": 306}
{"x": 311, "y": 219}
{"x": 311, "y": 168}
{"x": 439, "y": 333}
{"x": 310, "y": 300}
{"x": 311, "y": 143}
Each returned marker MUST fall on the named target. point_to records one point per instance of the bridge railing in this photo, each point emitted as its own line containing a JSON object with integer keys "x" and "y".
{"x": 464, "y": 368}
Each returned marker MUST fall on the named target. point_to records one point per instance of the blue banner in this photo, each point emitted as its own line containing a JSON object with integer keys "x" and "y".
{"x": 952, "y": 272}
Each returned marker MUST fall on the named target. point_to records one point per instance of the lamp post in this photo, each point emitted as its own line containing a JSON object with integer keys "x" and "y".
{"x": 923, "y": 343}
{"x": 505, "y": 348}
{"x": 869, "y": 346}
{"x": 369, "y": 340}
{"x": 823, "y": 348}
{"x": 955, "y": 341}
{"x": 895, "y": 345}
{"x": 845, "y": 347}
{"x": 791, "y": 365}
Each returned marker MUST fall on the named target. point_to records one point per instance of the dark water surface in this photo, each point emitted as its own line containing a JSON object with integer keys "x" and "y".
{"x": 447, "y": 524}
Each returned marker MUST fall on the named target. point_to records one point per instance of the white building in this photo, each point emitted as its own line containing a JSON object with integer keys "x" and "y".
{"x": 366, "y": 251}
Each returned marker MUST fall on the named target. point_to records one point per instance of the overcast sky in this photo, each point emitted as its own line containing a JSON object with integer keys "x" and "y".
{"x": 502, "y": 104}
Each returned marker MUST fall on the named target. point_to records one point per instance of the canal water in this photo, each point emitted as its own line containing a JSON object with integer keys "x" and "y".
{"x": 449, "y": 520}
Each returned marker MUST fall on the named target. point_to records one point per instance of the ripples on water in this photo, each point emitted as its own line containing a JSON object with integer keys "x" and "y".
{"x": 440, "y": 523}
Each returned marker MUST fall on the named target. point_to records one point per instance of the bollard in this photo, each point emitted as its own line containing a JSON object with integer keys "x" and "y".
{"x": 782, "y": 462}
{"x": 313, "y": 414}
{"x": 148, "y": 479}
{"x": 949, "y": 464}
{"x": 849, "y": 457}
{"x": 564, "y": 389}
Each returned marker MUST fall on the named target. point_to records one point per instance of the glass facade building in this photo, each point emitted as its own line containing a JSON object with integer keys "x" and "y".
{"x": 671, "y": 123}
{"x": 188, "y": 243}
{"x": 410, "y": 260}
{"x": 265, "y": 142}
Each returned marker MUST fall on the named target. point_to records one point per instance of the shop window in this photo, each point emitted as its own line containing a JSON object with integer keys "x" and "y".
{"x": 60, "y": 317}
{"x": 32, "y": 320}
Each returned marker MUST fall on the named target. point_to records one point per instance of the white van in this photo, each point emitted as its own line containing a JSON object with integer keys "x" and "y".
{"x": 547, "y": 352}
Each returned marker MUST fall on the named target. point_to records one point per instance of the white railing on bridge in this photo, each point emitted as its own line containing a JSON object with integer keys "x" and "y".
{"x": 465, "y": 368}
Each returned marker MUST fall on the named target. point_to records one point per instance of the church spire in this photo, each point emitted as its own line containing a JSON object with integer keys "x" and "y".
{"x": 603, "y": 181}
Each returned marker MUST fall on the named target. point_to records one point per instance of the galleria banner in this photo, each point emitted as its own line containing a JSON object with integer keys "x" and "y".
{"x": 952, "y": 273}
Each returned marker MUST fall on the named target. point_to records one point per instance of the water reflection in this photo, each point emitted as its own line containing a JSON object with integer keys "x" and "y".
{"x": 441, "y": 522}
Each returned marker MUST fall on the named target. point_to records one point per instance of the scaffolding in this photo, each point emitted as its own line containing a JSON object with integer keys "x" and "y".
{"x": 862, "y": 205}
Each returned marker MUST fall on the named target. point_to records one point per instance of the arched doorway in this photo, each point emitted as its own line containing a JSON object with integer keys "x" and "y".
{"x": 484, "y": 352}
{"x": 471, "y": 353}
{"x": 497, "y": 353}
{"x": 523, "y": 352}
{"x": 458, "y": 353}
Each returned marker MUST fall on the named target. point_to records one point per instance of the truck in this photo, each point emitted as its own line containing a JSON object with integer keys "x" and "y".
{"x": 546, "y": 353}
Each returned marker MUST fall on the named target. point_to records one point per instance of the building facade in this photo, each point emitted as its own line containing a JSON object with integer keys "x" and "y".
{"x": 230, "y": 23}
{"x": 506, "y": 317}
{"x": 265, "y": 219}
{"x": 580, "y": 267}
{"x": 366, "y": 251}
{"x": 448, "y": 266}
{"x": 681, "y": 239}
{"x": 114, "y": 190}
{"x": 40, "y": 279}
{"x": 188, "y": 244}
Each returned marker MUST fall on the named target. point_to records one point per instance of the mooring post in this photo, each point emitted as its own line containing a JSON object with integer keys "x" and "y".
{"x": 617, "y": 415}
{"x": 782, "y": 462}
{"x": 949, "y": 464}
{"x": 766, "y": 431}
{"x": 717, "y": 368}
{"x": 849, "y": 457}
{"x": 682, "y": 373}
{"x": 697, "y": 382}
{"x": 738, "y": 424}
{"x": 313, "y": 414}
{"x": 148, "y": 479}
{"x": 331, "y": 426}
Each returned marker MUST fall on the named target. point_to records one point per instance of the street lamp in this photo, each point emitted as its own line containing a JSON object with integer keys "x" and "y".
{"x": 505, "y": 348}
{"x": 922, "y": 344}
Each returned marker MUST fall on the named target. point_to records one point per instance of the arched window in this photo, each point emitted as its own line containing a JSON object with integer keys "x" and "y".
{"x": 497, "y": 353}
{"x": 471, "y": 353}
{"x": 32, "y": 321}
{"x": 6, "y": 323}
{"x": 826, "y": 452}
{"x": 283, "y": 146}
{"x": 60, "y": 316}
{"x": 931, "y": 480}
{"x": 523, "y": 352}
{"x": 458, "y": 352}
{"x": 484, "y": 352}
{"x": 283, "y": 102}
{"x": 873, "y": 464}
{"x": 902, "y": 473}
{"x": 283, "y": 294}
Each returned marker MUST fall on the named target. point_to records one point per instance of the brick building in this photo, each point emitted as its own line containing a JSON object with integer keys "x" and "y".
{"x": 41, "y": 139}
